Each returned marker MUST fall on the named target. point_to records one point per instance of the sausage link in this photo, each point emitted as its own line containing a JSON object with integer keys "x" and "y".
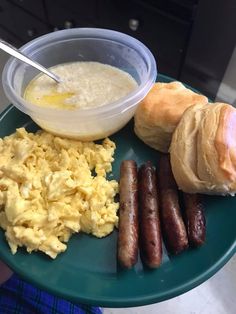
{"x": 174, "y": 231}
{"x": 150, "y": 230}
{"x": 195, "y": 219}
{"x": 128, "y": 215}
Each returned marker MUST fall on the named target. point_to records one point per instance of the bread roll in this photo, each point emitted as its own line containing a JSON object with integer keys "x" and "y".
{"x": 159, "y": 113}
{"x": 203, "y": 150}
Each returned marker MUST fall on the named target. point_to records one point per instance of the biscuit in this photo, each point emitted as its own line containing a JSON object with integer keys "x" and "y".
{"x": 203, "y": 150}
{"x": 160, "y": 111}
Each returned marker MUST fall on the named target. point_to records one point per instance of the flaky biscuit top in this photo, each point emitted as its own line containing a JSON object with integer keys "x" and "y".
{"x": 225, "y": 141}
{"x": 166, "y": 102}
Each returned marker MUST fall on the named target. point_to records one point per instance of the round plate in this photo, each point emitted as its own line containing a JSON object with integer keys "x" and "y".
{"x": 88, "y": 272}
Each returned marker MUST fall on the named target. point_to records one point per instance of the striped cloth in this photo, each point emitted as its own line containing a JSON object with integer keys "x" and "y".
{"x": 19, "y": 297}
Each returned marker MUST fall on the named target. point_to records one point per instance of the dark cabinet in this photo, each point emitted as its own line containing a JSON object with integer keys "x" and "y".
{"x": 163, "y": 26}
{"x": 33, "y": 7}
{"x": 9, "y": 37}
{"x": 7, "y": 25}
{"x": 5, "y": 16}
{"x": 166, "y": 35}
{"x": 211, "y": 45}
{"x": 67, "y": 14}
{"x": 27, "y": 26}
{"x": 191, "y": 40}
{"x": 19, "y": 25}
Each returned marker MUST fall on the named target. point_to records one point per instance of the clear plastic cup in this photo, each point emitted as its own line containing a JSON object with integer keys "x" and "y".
{"x": 82, "y": 44}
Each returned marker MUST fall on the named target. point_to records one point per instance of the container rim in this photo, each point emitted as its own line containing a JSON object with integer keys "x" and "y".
{"x": 69, "y": 34}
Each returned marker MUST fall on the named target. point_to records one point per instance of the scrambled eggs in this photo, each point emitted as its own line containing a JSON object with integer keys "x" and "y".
{"x": 51, "y": 187}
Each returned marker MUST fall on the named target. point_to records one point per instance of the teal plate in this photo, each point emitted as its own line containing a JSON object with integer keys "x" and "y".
{"x": 88, "y": 272}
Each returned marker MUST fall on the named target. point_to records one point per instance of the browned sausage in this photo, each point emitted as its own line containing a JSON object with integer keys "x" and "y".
{"x": 150, "y": 231}
{"x": 128, "y": 215}
{"x": 174, "y": 231}
{"x": 195, "y": 218}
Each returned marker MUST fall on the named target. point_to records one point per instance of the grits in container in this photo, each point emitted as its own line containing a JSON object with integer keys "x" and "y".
{"x": 83, "y": 85}
{"x": 83, "y": 45}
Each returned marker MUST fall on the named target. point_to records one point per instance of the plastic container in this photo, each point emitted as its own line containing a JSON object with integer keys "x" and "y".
{"x": 82, "y": 44}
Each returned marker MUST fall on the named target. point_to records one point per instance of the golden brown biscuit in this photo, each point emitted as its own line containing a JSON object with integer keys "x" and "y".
{"x": 159, "y": 113}
{"x": 203, "y": 150}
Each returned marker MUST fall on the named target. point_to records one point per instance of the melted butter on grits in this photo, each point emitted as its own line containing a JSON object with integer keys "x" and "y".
{"x": 84, "y": 85}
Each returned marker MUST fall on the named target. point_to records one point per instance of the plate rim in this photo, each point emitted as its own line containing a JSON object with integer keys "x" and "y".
{"x": 133, "y": 301}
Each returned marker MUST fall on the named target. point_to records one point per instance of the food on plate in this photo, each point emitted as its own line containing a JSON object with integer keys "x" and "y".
{"x": 194, "y": 219}
{"x": 52, "y": 187}
{"x": 161, "y": 110}
{"x": 174, "y": 231}
{"x": 128, "y": 214}
{"x": 203, "y": 150}
{"x": 151, "y": 197}
{"x": 150, "y": 229}
{"x": 84, "y": 85}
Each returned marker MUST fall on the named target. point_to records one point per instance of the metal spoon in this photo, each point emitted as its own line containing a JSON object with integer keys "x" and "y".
{"x": 17, "y": 54}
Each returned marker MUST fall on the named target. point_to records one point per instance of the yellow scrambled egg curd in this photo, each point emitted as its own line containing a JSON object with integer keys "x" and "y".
{"x": 51, "y": 187}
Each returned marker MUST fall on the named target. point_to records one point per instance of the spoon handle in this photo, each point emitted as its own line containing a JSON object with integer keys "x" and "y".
{"x": 17, "y": 54}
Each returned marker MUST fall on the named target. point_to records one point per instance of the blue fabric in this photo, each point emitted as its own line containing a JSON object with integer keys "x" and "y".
{"x": 19, "y": 297}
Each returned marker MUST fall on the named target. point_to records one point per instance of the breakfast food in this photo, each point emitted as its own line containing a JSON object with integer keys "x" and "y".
{"x": 156, "y": 214}
{"x": 161, "y": 110}
{"x": 52, "y": 187}
{"x": 150, "y": 229}
{"x": 174, "y": 231}
{"x": 128, "y": 214}
{"x": 84, "y": 85}
{"x": 203, "y": 155}
{"x": 194, "y": 219}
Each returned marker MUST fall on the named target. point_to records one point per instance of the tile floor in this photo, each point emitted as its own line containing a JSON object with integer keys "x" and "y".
{"x": 215, "y": 296}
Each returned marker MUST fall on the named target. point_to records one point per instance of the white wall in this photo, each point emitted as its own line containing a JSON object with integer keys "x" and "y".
{"x": 227, "y": 90}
